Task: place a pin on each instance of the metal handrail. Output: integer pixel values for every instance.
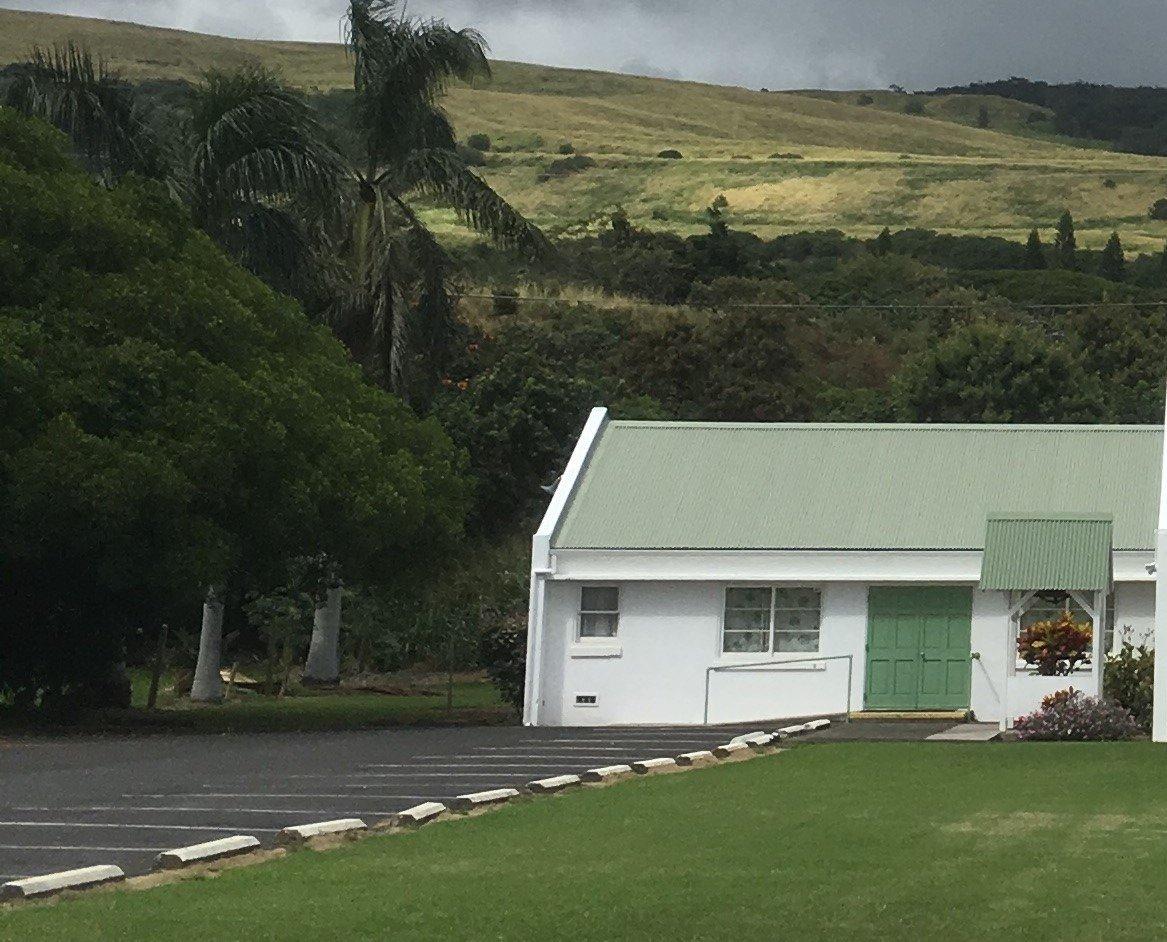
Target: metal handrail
(716, 668)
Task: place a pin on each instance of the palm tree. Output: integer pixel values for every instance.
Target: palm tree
(387, 284)
(258, 157)
(91, 103)
(262, 178)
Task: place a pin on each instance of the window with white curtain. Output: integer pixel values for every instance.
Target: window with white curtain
(771, 620)
(599, 612)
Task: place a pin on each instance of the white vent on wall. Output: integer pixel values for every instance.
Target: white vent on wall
(586, 699)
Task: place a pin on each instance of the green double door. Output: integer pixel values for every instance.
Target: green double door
(918, 654)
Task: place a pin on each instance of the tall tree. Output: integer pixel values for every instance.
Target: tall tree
(986, 371)
(90, 102)
(1034, 251)
(387, 292)
(983, 117)
(258, 159)
(1112, 265)
(169, 424)
(1065, 242)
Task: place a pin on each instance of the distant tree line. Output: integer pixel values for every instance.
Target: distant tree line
(1129, 119)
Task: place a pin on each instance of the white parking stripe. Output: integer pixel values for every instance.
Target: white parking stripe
(118, 824)
(529, 755)
(132, 808)
(459, 765)
(571, 757)
(112, 850)
(627, 742)
(592, 750)
(282, 795)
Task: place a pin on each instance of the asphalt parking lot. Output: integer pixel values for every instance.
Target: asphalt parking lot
(68, 803)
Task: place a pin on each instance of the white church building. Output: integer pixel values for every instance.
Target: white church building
(692, 572)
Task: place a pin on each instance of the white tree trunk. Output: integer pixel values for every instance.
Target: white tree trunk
(323, 666)
(208, 685)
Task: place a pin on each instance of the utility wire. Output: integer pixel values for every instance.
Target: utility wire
(811, 305)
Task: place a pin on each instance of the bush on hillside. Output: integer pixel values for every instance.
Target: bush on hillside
(471, 156)
(167, 422)
(1070, 715)
(479, 142)
(566, 166)
(864, 100)
(567, 148)
(670, 154)
(1158, 209)
(915, 106)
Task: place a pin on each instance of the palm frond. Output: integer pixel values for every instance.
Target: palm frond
(258, 154)
(256, 139)
(400, 68)
(442, 174)
(81, 96)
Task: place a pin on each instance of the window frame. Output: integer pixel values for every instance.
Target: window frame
(580, 612)
(771, 630)
(1070, 603)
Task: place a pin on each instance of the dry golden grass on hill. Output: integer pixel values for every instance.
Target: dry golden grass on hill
(858, 168)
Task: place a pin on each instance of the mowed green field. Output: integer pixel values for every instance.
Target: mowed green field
(857, 168)
(865, 840)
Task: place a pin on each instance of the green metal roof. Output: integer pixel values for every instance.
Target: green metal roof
(679, 485)
(1046, 552)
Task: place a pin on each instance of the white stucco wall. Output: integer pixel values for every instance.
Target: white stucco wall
(670, 633)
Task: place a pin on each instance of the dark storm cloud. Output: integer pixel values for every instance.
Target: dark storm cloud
(776, 43)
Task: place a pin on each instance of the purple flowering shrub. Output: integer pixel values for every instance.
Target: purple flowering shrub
(1071, 715)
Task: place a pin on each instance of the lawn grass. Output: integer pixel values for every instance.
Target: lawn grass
(304, 710)
(864, 840)
(860, 168)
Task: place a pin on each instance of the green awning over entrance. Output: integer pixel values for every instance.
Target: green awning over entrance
(1024, 552)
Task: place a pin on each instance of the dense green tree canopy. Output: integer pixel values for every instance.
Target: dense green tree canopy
(987, 371)
(167, 421)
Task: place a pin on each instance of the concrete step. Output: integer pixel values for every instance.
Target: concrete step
(968, 732)
(956, 716)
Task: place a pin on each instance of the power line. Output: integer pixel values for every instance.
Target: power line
(811, 305)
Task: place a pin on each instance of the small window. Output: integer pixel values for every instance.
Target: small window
(765, 620)
(796, 620)
(599, 611)
(747, 620)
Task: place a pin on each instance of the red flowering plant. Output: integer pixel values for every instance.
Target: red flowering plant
(1055, 647)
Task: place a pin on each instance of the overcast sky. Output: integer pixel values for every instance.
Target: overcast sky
(774, 43)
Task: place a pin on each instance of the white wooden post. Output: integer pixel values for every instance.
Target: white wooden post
(1012, 621)
(1159, 706)
(1100, 649)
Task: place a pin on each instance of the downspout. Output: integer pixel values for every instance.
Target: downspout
(533, 689)
(1159, 705)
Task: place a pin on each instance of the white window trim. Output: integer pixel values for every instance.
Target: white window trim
(770, 653)
(608, 642)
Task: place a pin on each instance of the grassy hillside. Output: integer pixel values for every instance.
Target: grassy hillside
(857, 168)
